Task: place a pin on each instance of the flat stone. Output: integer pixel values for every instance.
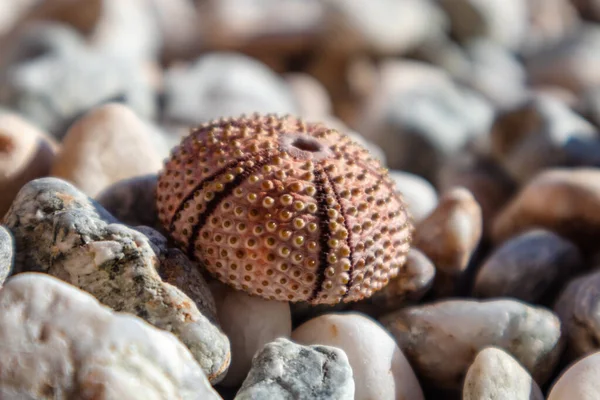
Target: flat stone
(6, 254)
(579, 381)
(26, 153)
(132, 201)
(379, 368)
(495, 374)
(60, 231)
(441, 339)
(285, 370)
(450, 234)
(562, 200)
(103, 355)
(528, 267)
(223, 84)
(105, 146)
(554, 21)
(249, 322)
(540, 133)
(577, 308)
(311, 96)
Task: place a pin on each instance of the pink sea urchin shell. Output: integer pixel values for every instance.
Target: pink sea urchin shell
(284, 209)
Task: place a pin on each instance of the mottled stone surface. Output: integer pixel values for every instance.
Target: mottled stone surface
(578, 308)
(495, 374)
(540, 133)
(223, 84)
(6, 254)
(562, 200)
(60, 231)
(379, 368)
(580, 381)
(105, 146)
(26, 153)
(441, 339)
(450, 234)
(528, 266)
(284, 370)
(249, 322)
(60, 343)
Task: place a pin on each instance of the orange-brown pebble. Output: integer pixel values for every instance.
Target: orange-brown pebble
(284, 209)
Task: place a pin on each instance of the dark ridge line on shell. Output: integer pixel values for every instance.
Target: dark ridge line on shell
(348, 237)
(324, 232)
(208, 179)
(212, 205)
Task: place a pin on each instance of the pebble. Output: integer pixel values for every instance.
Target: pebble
(284, 370)
(565, 201)
(249, 322)
(451, 233)
(528, 267)
(541, 133)
(103, 355)
(419, 116)
(550, 22)
(311, 96)
(441, 339)
(420, 195)
(132, 201)
(60, 231)
(494, 72)
(495, 374)
(108, 144)
(414, 283)
(384, 27)
(579, 381)
(487, 181)
(11, 11)
(577, 308)
(379, 368)
(573, 63)
(26, 153)
(487, 18)
(6, 254)
(223, 83)
(62, 78)
(590, 9)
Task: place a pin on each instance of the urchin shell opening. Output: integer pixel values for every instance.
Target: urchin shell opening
(300, 145)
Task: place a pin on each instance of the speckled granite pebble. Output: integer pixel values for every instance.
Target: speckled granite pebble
(284, 370)
(6, 254)
(60, 231)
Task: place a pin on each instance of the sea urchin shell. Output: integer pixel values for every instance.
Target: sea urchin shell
(284, 209)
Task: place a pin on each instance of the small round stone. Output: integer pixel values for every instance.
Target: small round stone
(308, 196)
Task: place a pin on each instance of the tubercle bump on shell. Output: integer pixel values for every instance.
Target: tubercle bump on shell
(284, 209)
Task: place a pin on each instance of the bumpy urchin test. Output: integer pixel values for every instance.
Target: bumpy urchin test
(284, 209)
